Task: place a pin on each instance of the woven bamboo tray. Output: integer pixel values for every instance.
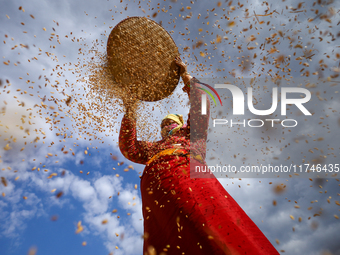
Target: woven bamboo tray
(141, 57)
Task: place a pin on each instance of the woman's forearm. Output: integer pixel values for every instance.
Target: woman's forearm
(130, 147)
(186, 78)
(199, 122)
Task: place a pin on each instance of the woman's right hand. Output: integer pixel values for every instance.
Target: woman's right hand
(130, 103)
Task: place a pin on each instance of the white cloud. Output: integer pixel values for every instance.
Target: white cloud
(107, 186)
(14, 220)
(131, 202)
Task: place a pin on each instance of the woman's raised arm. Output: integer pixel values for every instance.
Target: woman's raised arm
(198, 123)
(131, 148)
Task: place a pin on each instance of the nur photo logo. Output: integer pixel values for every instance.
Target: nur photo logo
(238, 104)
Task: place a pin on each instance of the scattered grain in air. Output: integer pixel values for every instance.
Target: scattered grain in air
(135, 186)
(3, 194)
(7, 16)
(300, 219)
(59, 194)
(53, 190)
(24, 197)
(218, 39)
(105, 221)
(85, 152)
(44, 29)
(7, 147)
(32, 251)
(79, 228)
(297, 206)
(277, 241)
(336, 216)
(88, 173)
(16, 178)
(54, 218)
(50, 154)
(84, 243)
(117, 247)
(51, 175)
(117, 175)
(3, 181)
(81, 171)
(210, 237)
(114, 210)
(291, 216)
(231, 24)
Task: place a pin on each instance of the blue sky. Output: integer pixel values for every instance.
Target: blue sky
(43, 65)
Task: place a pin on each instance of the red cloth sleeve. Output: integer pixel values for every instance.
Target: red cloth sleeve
(131, 148)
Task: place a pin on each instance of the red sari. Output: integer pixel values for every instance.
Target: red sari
(182, 214)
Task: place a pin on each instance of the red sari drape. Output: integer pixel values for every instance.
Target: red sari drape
(182, 214)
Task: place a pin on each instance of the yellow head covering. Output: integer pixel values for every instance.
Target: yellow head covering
(178, 118)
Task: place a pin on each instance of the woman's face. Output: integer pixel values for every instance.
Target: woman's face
(166, 126)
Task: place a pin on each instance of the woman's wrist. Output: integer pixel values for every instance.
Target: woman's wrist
(186, 79)
(185, 74)
(130, 112)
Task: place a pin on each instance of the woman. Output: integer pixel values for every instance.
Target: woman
(184, 215)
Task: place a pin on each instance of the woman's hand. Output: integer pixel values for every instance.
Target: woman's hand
(181, 65)
(184, 74)
(130, 104)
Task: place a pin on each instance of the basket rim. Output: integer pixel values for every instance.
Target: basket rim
(133, 17)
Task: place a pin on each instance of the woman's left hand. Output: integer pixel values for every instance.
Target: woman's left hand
(184, 74)
(181, 65)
